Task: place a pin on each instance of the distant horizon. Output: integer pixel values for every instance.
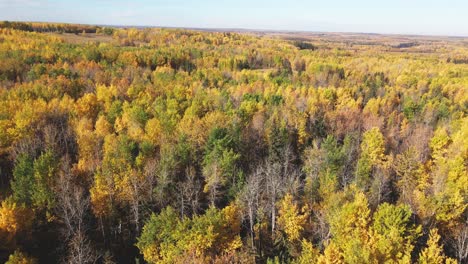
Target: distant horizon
(271, 30)
(397, 17)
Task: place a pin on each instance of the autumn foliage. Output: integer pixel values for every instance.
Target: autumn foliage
(181, 146)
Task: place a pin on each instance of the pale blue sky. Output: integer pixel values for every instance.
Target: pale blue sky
(438, 17)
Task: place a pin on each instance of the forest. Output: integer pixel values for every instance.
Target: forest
(160, 145)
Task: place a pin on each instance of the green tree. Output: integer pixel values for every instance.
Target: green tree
(166, 239)
(395, 233)
(45, 168)
(372, 155)
(219, 163)
(23, 179)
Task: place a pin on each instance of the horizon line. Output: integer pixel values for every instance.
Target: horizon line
(246, 30)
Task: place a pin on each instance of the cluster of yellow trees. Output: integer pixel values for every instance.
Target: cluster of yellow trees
(178, 146)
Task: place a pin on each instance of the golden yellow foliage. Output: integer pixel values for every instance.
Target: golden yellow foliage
(290, 220)
(14, 219)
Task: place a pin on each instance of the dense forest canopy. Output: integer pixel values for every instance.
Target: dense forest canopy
(123, 145)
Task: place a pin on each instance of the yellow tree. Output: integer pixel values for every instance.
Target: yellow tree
(290, 220)
(101, 196)
(88, 145)
(309, 254)
(409, 170)
(448, 175)
(332, 255)
(19, 257)
(349, 230)
(14, 220)
(434, 253)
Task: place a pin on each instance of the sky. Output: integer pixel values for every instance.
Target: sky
(423, 17)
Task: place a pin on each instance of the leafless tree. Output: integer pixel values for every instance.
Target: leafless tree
(251, 198)
(292, 181)
(56, 133)
(80, 250)
(26, 146)
(417, 136)
(321, 228)
(380, 188)
(72, 207)
(274, 184)
(280, 177)
(189, 191)
(150, 171)
(164, 178)
(461, 243)
(72, 203)
(213, 182)
(135, 198)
